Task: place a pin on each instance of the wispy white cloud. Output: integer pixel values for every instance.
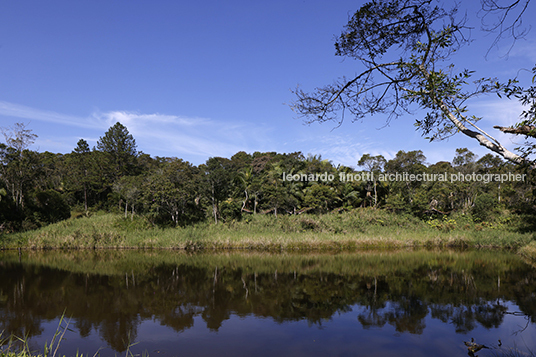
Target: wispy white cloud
(24, 112)
(178, 135)
(158, 134)
(502, 112)
(525, 49)
(133, 119)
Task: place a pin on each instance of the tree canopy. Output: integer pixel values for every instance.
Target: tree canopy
(41, 188)
(120, 145)
(405, 50)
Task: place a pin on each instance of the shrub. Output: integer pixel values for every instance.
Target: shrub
(49, 207)
(484, 208)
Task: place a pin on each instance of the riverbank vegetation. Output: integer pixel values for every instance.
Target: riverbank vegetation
(358, 228)
(119, 197)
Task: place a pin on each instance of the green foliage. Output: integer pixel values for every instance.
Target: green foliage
(485, 207)
(347, 230)
(121, 147)
(320, 198)
(404, 50)
(218, 175)
(169, 192)
(50, 207)
(446, 224)
(230, 210)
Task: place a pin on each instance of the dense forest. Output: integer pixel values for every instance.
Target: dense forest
(38, 188)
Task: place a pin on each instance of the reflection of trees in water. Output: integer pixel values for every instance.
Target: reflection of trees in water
(181, 318)
(405, 316)
(119, 330)
(465, 318)
(175, 295)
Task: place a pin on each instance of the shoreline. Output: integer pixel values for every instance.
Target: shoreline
(358, 229)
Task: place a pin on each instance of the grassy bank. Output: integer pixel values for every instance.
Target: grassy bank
(356, 229)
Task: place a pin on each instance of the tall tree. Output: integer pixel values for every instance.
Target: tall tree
(17, 161)
(218, 178)
(403, 190)
(374, 164)
(82, 152)
(18, 137)
(121, 146)
(465, 160)
(86, 173)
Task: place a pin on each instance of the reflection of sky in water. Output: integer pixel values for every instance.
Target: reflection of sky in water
(370, 304)
(342, 335)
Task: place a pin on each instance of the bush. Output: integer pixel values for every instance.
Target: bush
(485, 207)
(230, 210)
(309, 224)
(49, 207)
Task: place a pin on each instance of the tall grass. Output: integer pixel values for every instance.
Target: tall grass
(529, 251)
(349, 230)
(16, 346)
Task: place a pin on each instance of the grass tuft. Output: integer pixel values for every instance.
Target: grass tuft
(355, 229)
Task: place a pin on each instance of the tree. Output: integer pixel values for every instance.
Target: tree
(81, 153)
(319, 197)
(121, 146)
(245, 180)
(464, 160)
(82, 147)
(527, 126)
(403, 192)
(172, 191)
(86, 174)
(49, 207)
(17, 162)
(374, 164)
(404, 47)
(273, 187)
(218, 177)
(129, 189)
(18, 137)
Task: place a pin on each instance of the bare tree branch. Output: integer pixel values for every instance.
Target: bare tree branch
(505, 19)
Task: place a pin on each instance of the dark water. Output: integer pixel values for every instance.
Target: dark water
(373, 303)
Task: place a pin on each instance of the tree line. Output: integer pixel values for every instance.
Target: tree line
(38, 188)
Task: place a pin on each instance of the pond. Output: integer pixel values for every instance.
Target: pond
(176, 303)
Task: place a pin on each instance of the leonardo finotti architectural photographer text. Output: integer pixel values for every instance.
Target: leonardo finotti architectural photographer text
(405, 176)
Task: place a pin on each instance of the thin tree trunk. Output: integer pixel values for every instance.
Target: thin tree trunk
(85, 197)
(214, 207)
(245, 200)
(375, 195)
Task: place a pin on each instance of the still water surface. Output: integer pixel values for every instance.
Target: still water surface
(172, 303)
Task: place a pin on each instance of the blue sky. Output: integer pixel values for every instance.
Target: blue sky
(197, 79)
